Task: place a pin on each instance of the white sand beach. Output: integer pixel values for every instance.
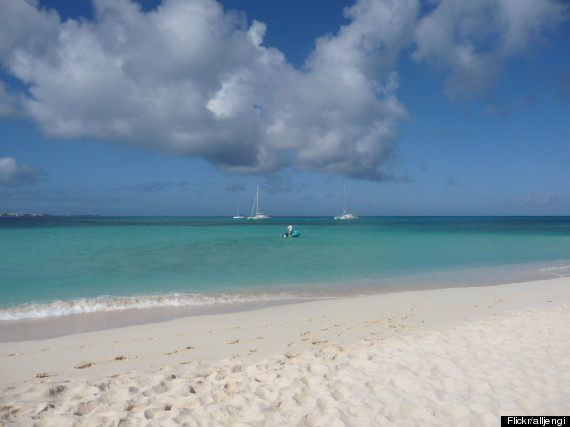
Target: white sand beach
(460, 356)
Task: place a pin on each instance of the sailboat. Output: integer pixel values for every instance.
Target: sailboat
(345, 215)
(237, 215)
(255, 208)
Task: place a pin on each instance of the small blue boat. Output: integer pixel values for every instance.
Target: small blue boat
(294, 233)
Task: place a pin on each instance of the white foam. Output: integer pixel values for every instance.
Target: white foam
(107, 304)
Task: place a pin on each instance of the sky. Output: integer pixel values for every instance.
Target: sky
(183, 107)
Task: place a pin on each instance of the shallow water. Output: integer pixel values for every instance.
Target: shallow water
(54, 266)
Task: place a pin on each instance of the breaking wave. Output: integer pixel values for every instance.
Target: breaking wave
(109, 304)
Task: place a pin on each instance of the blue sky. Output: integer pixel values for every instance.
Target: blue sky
(117, 107)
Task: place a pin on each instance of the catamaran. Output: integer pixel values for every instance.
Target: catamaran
(237, 215)
(345, 215)
(255, 208)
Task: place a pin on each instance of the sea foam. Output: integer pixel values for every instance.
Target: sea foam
(108, 304)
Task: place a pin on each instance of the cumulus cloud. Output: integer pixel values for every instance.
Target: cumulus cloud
(470, 41)
(192, 79)
(14, 175)
(348, 116)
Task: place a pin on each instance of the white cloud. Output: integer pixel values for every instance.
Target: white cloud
(190, 79)
(14, 175)
(470, 41)
(348, 113)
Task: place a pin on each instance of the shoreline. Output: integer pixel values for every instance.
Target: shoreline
(61, 318)
(466, 352)
(73, 324)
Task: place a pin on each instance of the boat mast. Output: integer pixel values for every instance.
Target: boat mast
(257, 200)
(344, 201)
(255, 206)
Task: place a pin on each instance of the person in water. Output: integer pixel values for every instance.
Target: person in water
(289, 230)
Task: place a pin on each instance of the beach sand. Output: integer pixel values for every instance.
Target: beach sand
(460, 356)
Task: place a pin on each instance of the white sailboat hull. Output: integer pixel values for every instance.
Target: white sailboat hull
(258, 215)
(346, 216)
(237, 215)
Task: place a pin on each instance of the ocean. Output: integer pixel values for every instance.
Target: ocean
(145, 269)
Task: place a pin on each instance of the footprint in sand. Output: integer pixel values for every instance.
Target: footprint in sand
(54, 391)
(83, 408)
(46, 375)
(57, 348)
(257, 350)
(8, 411)
(190, 347)
(120, 374)
(84, 365)
(119, 358)
(292, 356)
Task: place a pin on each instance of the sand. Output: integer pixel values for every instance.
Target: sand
(440, 357)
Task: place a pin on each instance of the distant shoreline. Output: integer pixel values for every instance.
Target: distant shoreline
(18, 214)
(362, 217)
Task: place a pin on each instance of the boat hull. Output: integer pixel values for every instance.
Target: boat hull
(346, 217)
(259, 216)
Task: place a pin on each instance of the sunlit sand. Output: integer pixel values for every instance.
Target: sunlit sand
(439, 357)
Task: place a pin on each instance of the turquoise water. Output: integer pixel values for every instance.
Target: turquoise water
(53, 266)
